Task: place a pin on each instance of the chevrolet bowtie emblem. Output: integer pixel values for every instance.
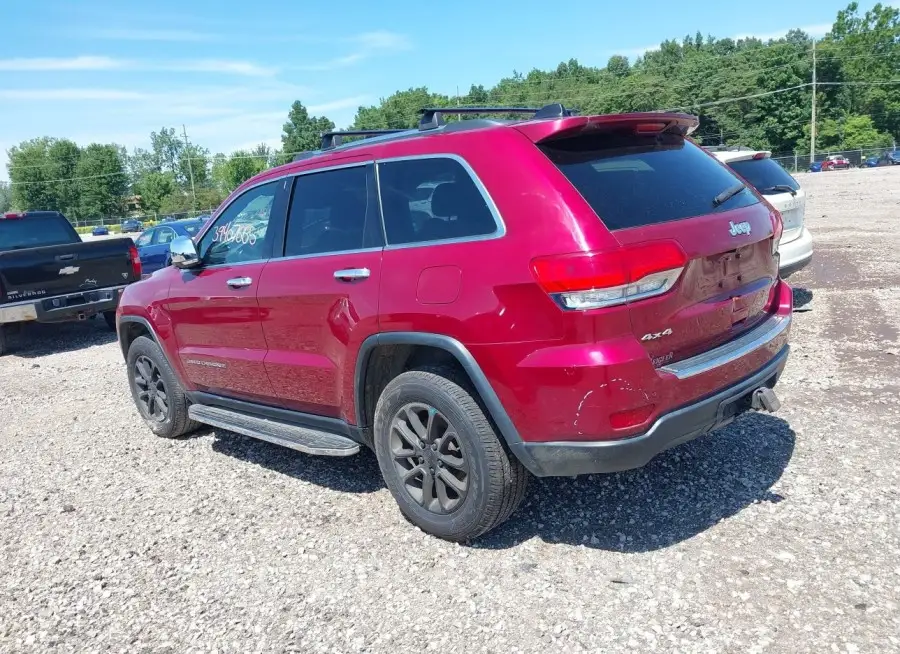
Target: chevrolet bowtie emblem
(69, 270)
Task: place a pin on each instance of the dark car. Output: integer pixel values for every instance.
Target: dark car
(889, 159)
(49, 274)
(132, 225)
(871, 162)
(100, 230)
(815, 167)
(153, 244)
(477, 301)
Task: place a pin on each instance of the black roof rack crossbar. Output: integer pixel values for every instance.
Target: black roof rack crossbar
(432, 116)
(331, 140)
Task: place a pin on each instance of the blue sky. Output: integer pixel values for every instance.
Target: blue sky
(102, 71)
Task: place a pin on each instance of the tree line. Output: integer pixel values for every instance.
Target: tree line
(747, 92)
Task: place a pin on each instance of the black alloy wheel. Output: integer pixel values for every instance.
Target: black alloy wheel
(152, 395)
(429, 458)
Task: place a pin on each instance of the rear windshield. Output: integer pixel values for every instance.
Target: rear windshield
(193, 228)
(766, 175)
(631, 181)
(34, 231)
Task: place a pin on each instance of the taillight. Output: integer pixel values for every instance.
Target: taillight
(11, 216)
(592, 280)
(135, 258)
(777, 228)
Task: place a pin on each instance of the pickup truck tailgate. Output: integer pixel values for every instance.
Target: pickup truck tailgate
(68, 268)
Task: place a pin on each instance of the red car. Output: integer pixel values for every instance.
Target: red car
(477, 302)
(835, 162)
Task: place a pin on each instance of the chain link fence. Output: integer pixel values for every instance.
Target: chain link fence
(146, 220)
(796, 162)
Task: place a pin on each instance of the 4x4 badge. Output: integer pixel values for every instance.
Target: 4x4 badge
(739, 228)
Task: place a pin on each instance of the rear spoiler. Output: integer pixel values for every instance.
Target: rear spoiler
(649, 122)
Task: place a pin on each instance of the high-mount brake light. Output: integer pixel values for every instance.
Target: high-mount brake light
(649, 128)
(759, 155)
(592, 280)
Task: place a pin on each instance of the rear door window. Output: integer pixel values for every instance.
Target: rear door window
(634, 180)
(432, 199)
(766, 175)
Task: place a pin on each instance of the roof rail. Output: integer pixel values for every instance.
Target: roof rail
(331, 140)
(300, 156)
(432, 116)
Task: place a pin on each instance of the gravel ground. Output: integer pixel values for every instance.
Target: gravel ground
(776, 534)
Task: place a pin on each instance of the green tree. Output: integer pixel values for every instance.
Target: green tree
(154, 188)
(41, 173)
(303, 132)
(103, 181)
(5, 197)
(230, 172)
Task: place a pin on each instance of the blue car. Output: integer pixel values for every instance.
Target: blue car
(100, 230)
(815, 167)
(153, 244)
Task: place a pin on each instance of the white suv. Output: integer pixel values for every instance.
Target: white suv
(783, 192)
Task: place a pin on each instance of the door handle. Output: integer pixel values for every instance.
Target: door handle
(239, 282)
(351, 274)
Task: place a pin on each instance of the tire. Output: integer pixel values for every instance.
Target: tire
(174, 421)
(3, 341)
(495, 480)
(110, 318)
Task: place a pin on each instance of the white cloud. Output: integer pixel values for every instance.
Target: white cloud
(816, 31)
(58, 64)
(336, 105)
(72, 94)
(129, 34)
(382, 40)
(91, 63)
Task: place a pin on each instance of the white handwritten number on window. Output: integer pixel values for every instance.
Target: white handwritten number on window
(231, 233)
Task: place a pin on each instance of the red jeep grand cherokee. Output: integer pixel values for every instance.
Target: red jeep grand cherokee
(476, 301)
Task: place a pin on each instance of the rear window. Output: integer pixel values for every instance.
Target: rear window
(631, 181)
(766, 175)
(34, 231)
(193, 228)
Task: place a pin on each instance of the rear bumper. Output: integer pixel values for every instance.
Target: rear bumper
(795, 255)
(553, 459)
(71, 307)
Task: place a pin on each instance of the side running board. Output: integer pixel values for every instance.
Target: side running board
(304, 439)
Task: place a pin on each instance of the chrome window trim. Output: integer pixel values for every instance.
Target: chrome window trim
(281, 178)
(756, 338)
(500, 230)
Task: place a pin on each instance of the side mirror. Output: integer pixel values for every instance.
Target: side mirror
(183, 253)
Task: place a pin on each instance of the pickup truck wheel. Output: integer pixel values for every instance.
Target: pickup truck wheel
(2, 340)
(441, 458)
(110, 318)
(156, 391)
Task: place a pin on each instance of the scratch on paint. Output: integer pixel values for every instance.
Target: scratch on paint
(578, 410)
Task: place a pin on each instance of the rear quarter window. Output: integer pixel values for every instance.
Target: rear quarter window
(634, 180)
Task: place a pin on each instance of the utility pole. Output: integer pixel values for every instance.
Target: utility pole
(187, 152)
(812, 127)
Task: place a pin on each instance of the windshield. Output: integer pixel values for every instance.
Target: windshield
(766, 175)
(34, 231)
(631, 180)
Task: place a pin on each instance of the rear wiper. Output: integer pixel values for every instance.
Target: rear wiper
(782, 188)
(727, 194)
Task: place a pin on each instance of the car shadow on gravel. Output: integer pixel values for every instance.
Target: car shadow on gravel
(354, 474)
(679, 494)
(32, 340)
